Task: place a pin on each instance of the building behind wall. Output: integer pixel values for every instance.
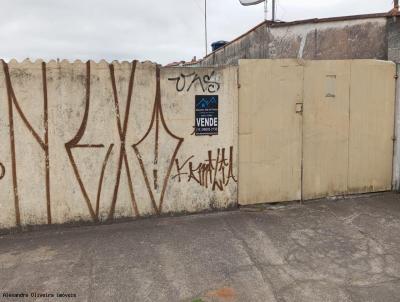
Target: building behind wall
(372, 36)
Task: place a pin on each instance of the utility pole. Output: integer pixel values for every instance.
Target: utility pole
(205, 25)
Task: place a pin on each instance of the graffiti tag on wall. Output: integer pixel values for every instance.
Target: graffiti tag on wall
(43, 142)
(157, 124)
(208, 83)
(214, 172)
(156, 171)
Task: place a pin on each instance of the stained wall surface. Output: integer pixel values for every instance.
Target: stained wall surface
(355, 37)
(98, 141)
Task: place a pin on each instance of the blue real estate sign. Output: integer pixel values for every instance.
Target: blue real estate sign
(206, 115)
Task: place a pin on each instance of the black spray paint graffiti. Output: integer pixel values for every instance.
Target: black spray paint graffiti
(186, 81)
(214, 172)
(2, 171)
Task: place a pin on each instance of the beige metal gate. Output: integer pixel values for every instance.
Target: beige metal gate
(269, 131)
(325, 128)
(371, 134)
(309, 129)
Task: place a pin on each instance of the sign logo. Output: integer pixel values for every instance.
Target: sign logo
(206, 115)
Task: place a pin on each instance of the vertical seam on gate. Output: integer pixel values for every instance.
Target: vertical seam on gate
(349, 133)
(302, 134)
(237, 132)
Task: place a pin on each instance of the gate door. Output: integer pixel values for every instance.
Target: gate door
(270, 130)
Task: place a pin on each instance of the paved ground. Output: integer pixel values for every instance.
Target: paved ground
(328, 250)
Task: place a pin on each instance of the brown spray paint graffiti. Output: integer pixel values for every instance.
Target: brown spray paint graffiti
(156, 117)
(156, 151)
(43, 142)
(122, 129)
(74, 143)
(214, 172)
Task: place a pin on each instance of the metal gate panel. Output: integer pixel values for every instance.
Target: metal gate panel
(371, 125)
(269, 130)
(325, 128)
(342, 142)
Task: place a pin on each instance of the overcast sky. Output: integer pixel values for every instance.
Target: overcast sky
(158, 30)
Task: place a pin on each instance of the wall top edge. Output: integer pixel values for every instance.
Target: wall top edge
(57, 62)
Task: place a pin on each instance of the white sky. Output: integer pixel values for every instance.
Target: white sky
(158, 30)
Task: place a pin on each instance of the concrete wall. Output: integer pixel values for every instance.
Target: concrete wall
(351, 38)
(94, 142)
(393, 33)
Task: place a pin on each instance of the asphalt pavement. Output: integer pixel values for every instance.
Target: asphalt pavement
(325, 250)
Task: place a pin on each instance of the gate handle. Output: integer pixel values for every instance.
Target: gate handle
(299, 108)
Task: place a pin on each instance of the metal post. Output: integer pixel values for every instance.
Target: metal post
(205, 25)
(273, 10)
(265, 9)
(396, 139)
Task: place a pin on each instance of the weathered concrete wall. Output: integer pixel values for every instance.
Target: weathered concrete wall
(394, 55)
(341, 39)
(96, 141)
(393, 30)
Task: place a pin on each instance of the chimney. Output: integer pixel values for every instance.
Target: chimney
(395, 7)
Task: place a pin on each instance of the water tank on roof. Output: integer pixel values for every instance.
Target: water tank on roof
(218, 44)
